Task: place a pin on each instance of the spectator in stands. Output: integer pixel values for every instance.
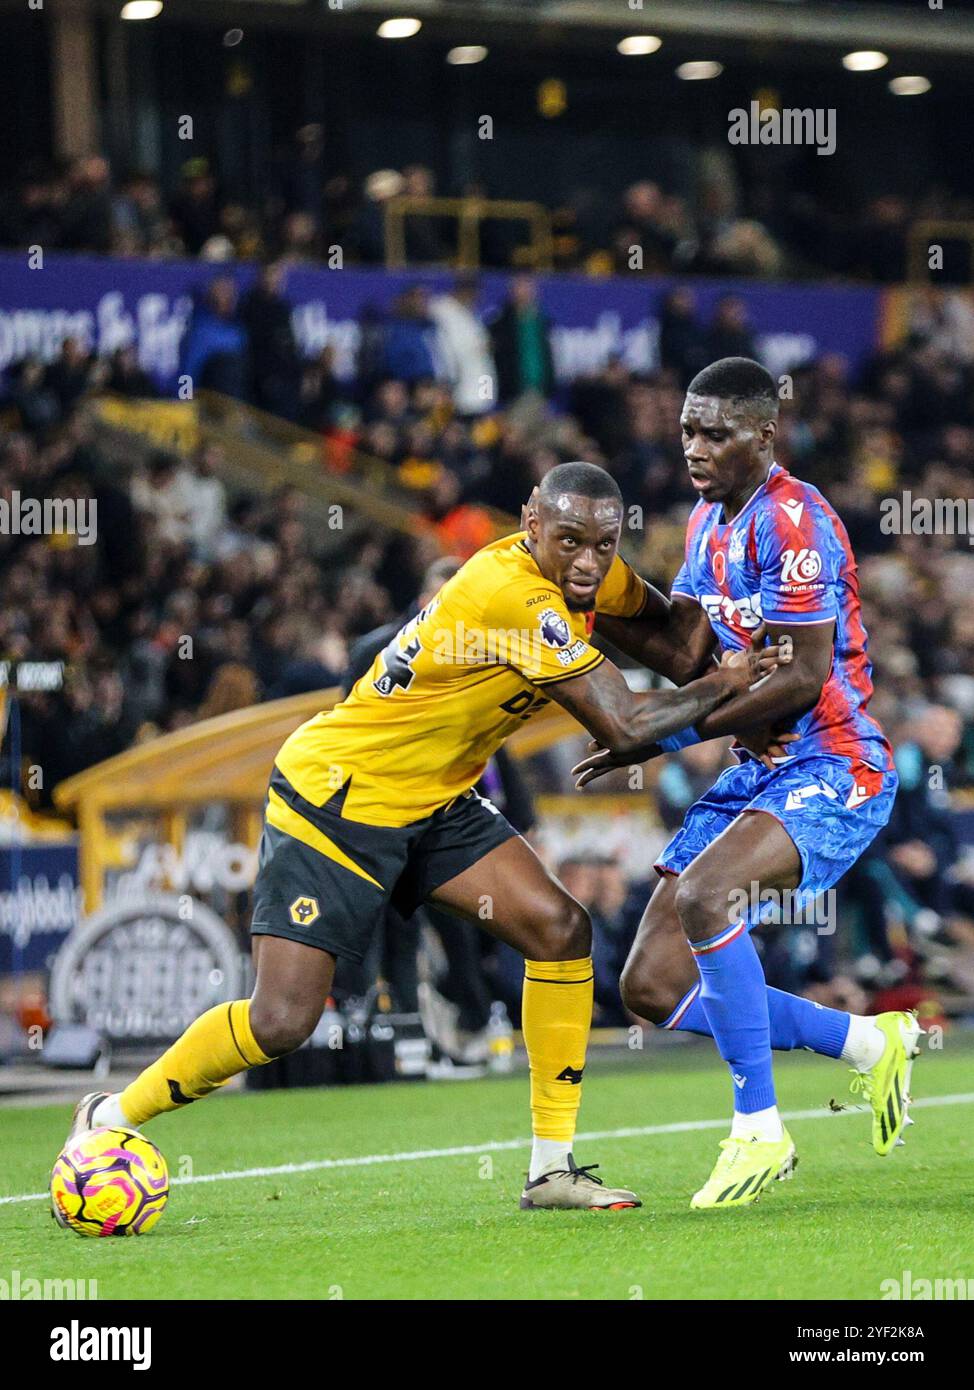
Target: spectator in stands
(427, 237)
(126, 377)
(206, 499)
(682, 342)
(921, 838)
(461, 528)
(213, 352)
(521, 338)
(195, 210)
(163, 493)
(641, 225)
(70, 375)
(37, 404)
(408, 350)
(745, 247)
(86, 219)
(275, 360)
(368, 227)
(463, 350)
(31, 216)
(323, 396)
(141, 226)
(729, 334)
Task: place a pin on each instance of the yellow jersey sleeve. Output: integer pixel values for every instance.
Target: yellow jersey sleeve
(532, 631)
(622, 594)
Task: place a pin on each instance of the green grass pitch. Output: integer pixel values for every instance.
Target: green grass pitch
(446, 1227)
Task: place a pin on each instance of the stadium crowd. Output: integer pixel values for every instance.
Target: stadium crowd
(769, 230)
(266, 614)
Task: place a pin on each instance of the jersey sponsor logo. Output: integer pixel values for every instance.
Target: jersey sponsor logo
(741, 612)
(735, 551)
(801, 566)
(304, 910)
(555, 631)
(796, 800)
(793, 509)
(538, 598)
(572, 653)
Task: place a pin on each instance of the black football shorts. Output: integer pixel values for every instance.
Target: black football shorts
(325, 880)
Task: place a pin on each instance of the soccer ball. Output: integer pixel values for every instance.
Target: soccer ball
(109, 1182)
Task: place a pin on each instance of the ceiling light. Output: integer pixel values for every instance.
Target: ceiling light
(399, 28)
(466, 53)
(141, 9)
(864, 60)
(909, 86)
(638, 44)
(699, 72)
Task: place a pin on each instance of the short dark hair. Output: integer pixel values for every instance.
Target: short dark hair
(579, 479)
(738, 379)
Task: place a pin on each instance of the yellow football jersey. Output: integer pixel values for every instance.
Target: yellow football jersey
(452, 685)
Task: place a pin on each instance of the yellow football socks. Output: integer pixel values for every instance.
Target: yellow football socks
(215, 1047)
(556, 1015)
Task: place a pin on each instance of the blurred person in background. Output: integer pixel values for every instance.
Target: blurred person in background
(682, 345)
(195, 211)
(275, 359)
(521, 341)
(408, 348)
(729, 334)
(86, 218)
(213, 352)
(463, 349)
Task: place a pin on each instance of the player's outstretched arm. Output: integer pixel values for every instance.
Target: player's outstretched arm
(670, 636)
(628, 723)
(793, 692)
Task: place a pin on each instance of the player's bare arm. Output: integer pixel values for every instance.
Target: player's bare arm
(674, 638)
(760, 708)
(793, 692)
(671, 636)
(629, 723)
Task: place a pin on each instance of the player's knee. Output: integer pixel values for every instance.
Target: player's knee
(646, 993)
(563, 931)
(701, 906)
(280, 1026)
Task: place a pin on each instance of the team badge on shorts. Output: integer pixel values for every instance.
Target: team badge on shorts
(303, 911)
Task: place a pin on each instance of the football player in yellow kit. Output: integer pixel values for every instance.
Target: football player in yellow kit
(373, 801)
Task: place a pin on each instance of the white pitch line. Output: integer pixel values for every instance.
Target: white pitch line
(317, 1165)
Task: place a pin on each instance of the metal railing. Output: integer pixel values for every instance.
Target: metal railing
(469, 213)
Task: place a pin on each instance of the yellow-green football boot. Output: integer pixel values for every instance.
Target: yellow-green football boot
(744, 1169)
(886, 1085)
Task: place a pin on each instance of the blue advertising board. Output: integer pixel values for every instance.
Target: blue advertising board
(40, 903)
(110, 303)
